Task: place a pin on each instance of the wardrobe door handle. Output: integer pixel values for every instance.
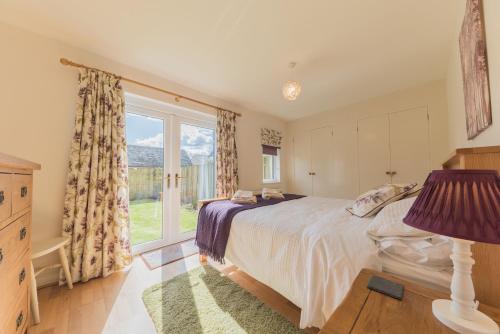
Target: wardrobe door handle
(22, 276)
(1, 255)
(2, 197)
(19, 320)
(24, 191)
(388, 173)
(22, 233)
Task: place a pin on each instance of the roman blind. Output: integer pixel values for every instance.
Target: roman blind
(271, 141)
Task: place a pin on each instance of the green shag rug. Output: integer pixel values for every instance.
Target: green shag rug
(204, 301)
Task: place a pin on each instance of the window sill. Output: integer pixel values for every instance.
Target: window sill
(271, 182)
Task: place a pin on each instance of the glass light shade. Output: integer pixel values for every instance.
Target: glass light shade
(291, 90)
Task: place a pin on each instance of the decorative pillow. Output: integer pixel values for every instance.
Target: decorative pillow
(414, 192)
(389, 222)
(373, 201)
(268, 193)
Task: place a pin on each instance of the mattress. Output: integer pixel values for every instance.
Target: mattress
(309, 250)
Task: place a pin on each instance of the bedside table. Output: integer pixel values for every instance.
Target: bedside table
(366, 311)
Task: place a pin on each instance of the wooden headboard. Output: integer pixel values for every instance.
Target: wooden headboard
(486, 271)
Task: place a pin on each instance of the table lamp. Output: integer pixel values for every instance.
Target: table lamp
(464, 205)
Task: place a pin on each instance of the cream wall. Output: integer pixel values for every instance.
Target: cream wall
(37, 103)
(432, 95)
(454, 83)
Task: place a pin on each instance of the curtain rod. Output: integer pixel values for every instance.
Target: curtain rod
(177, 97)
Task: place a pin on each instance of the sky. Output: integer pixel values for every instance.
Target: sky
(148, 131)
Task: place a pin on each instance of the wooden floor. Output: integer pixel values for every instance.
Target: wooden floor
(114, 305)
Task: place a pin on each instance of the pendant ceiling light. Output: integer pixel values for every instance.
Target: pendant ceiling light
(291, 89)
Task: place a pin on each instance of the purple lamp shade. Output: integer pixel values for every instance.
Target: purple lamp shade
(463, 204)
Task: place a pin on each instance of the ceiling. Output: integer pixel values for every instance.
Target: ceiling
(239, 50)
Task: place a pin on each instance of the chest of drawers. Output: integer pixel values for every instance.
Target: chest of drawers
(16, 189)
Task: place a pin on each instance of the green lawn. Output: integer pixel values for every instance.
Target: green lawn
(146, 220)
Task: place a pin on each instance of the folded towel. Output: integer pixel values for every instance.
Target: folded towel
(246, 200)
(243, 194)
(268, 193)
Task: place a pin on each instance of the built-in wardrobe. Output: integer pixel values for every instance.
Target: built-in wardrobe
(348, 158)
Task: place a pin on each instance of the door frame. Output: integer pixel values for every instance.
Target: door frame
(173, 116)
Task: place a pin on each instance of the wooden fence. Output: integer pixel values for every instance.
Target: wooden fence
(198, 182)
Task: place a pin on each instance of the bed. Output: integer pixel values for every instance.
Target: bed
(310, 250)
(304, 250)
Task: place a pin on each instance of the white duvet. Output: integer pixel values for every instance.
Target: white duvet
(309, 250)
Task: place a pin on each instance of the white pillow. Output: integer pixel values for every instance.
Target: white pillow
(433, 252)
(389, 222)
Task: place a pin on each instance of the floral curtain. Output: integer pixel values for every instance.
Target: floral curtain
(227, 156)
(271, 137)
(96, 200)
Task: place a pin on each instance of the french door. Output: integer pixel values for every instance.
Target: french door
(171, 158)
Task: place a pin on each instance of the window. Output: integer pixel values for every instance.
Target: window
(271, 167)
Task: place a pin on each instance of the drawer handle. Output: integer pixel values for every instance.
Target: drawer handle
(2, 197)
(1, 255)
(19, 320)
(24, 191)
(22, 233)
(22, 276)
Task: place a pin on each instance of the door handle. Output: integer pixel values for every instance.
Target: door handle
(177, 177)
(19, 320)
(22, 276)
(391, 173)
(168, 180)
(22, 233)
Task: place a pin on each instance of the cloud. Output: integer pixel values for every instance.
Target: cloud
(155, 141)
(192, 136)
(197, 141)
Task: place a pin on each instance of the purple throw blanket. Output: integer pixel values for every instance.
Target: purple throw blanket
(214, 223)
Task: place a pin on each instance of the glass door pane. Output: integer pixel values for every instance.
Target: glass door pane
(145, 138)
(197, 177)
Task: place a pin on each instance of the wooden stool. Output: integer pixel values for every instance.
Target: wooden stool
(40, 249)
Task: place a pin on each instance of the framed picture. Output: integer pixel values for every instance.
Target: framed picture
(473, 56)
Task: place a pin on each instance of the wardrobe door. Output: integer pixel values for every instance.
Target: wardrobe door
(410, 151)
(344, 172)
(322, 162)
(373, 152)
(302, 180)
